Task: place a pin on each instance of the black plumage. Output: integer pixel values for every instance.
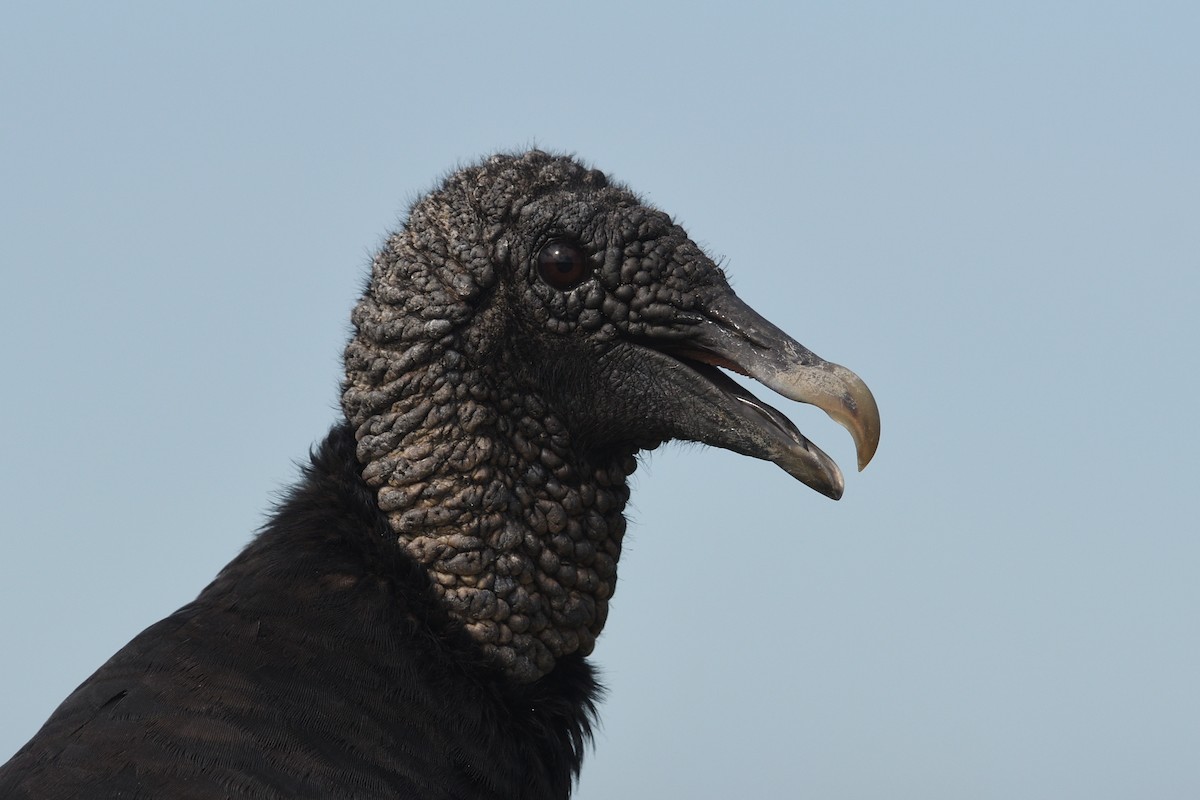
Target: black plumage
(414, 619)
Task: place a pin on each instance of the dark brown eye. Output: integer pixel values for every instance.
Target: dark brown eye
(562, 264)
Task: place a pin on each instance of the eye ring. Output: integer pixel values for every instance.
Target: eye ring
(562, 264)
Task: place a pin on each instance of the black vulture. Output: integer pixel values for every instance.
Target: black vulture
(414, 619)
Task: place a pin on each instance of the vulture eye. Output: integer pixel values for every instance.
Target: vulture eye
(562, 264)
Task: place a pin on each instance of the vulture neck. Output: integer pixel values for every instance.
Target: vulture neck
(480, 481)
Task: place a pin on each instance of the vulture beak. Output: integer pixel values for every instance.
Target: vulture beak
(735, 337)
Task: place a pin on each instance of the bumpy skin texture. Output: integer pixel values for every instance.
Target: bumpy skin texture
(491, 407)
(413, 620)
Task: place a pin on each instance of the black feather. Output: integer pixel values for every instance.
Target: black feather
(317, 664)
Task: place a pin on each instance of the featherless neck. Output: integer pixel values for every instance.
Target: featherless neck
(520, 534)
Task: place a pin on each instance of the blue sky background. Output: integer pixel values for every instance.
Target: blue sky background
(990, 211)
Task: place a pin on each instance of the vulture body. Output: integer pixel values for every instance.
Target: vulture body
(415, 618)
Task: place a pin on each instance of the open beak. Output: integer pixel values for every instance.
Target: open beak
(736, 337)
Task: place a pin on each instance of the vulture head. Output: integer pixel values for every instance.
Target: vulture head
(530, 329)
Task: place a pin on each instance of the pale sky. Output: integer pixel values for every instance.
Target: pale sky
(990, 211)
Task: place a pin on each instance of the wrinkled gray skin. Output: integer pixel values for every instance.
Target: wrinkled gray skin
(498, 417)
